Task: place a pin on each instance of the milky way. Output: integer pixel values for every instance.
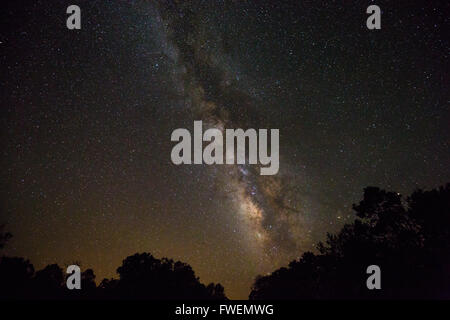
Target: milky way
(205, 75)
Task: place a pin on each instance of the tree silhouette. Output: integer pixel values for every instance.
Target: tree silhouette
(143, 276)
(88, 280)
(409, 241)
(48, 282)
(4, 236)
(15, 277)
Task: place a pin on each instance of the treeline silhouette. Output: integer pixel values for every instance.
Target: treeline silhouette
(408, 239)
(141, 276)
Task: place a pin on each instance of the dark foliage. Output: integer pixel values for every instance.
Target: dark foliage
(409, 241)
(141, 277)
(4, 236)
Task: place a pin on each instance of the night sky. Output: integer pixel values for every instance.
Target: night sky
(87, 115)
